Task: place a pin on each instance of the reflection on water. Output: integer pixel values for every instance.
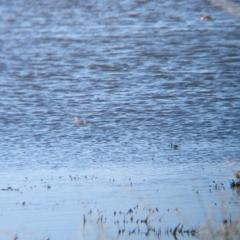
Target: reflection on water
(143, 75)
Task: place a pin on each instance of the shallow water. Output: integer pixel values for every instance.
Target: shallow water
(143, 75)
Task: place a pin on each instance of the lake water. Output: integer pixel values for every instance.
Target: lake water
(144, 75)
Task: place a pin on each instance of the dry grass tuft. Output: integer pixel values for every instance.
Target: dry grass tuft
(237, 174)
(230, 230)
(235, 183)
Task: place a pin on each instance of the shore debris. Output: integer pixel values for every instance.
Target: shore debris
(10, 189)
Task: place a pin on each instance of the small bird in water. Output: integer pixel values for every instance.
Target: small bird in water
(206, 18)
(77, 121)
(175, 146)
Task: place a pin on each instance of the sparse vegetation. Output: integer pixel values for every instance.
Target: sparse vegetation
(230, 230)
(235, 183)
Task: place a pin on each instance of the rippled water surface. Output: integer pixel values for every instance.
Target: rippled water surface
(144, 75)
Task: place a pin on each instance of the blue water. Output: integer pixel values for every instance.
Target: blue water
(143, 74)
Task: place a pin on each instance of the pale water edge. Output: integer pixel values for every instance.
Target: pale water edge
(143, 74)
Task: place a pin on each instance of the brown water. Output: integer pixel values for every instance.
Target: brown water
(143, 74)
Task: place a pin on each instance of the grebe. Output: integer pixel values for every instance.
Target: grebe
(77, 121)
(206, 18)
